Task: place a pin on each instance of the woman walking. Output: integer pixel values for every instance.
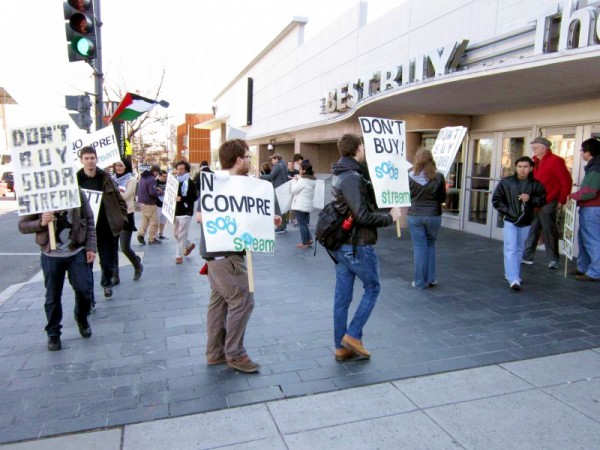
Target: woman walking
(428, 192)
(123, 175)
(303, 190)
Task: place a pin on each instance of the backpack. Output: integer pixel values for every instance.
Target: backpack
(329, 232)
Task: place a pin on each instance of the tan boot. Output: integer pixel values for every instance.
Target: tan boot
(356, 346)
(343, 354)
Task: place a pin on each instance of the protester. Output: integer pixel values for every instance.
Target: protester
(588, 200)
(303, 190)
(291, 171)
(231, 302)
(75, 249)
(278, 177)
(427, 193)
(147, 196)
(184, 210)
(552, 172)
(298, 158)
(123, 174)
(204, 167)
(112, 216)
(161, 186)
(515, 198)
(265, 169)
(354, 195)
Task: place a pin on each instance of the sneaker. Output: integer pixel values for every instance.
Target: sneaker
(189, 249)
(155, 242)
(162, 237)
(141, 239)
(433, 284)
(179, 260)
(54, 343)
(84, 328)
(137, 274)
(356, 346)
(108, 292)
(585, 277)
(553, 265)
(280, 231)
(529, 262)
(213, 362)
(515, 286)
(343, 354)
(244, 364)
(115, 280)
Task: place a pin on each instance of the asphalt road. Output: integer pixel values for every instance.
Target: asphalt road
(19, 255)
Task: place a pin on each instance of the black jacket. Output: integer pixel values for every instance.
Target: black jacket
(353, 192)
(185, 207)
(506, 200)
(426, 200)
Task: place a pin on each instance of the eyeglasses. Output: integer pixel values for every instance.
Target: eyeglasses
(248, 156)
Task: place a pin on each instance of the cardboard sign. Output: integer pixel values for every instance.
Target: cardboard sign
(105, 143)
(568, 241)
(446, 146)
(237, 213)
(45, 178)
(169, 202)
(94, 199)
(385, 150)
(284, 196)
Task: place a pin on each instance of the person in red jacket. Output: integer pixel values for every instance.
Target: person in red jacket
(552, 172)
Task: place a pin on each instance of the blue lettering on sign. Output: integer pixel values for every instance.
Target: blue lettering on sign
(387, 168)
(221, 223)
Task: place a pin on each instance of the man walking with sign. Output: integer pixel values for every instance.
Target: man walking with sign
(231, 301)
(184, 210)
(354, 198)
(75, 249)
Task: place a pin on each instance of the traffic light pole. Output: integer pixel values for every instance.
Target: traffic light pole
(97, 65)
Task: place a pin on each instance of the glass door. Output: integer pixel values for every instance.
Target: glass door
(478, 184)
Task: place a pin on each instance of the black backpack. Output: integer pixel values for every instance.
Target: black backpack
(329, 231)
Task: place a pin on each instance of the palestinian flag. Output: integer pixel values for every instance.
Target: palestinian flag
(133, 106)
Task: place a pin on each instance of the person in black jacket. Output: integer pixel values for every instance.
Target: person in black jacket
(278, 177)
(515, 199)
(184, 210)
(354, 197)
(427, 192)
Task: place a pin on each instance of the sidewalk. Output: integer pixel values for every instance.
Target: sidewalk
(146, 362)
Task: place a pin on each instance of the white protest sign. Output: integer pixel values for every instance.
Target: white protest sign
(94, 199)
(237, 213)
(170, 200)
(44, 175)
(385, 150)
(566, 244)
(446, 146)
(105, 143)
(284, 196)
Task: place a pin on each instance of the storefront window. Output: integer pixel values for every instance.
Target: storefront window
(479, 180)
(563, 144)
(512, 149)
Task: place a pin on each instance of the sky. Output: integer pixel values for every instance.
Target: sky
(200, 44)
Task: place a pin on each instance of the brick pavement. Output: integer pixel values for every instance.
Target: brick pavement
(146, 358)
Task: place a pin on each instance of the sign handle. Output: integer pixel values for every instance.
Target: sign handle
(566, 264)
(250, 271)
(52, 235)
(398, 230)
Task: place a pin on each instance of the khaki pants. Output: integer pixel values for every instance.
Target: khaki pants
(149, 221)
(181, 230)
(229, 309)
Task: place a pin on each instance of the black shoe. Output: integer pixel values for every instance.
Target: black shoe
(154, 242)
(515, 286)
(138, 272)
(108, 292)
(54, 343)
(141, 240)
(84, 328)
(115, 280)
(162, 237)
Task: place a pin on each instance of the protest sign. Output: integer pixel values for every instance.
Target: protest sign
(44, 175)
(105, 143)
(385, 150)
(446, 146)
(237, 213)
(169, 202)
(284, 196)
(94, 199)
(568, 240)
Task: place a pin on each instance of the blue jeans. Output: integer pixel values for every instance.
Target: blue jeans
(588, 260)
(423, 233)
(303, 221)
(364, 265)
(80, 278)
(514, 246)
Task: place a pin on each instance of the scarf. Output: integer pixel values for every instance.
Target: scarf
(123, 180)
(184, 179)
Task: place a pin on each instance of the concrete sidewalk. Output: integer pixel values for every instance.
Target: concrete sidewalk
(145, 361)
(550, 402)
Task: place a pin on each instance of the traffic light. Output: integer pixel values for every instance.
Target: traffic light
(80, 29)
(83, 105)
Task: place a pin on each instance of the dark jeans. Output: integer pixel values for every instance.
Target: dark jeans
(544, 223)
(107, 253)
(80, 278)
(303, 221)
(125, 242)
(423, 234)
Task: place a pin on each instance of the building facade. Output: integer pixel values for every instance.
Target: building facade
(507, 70)
(193, 143)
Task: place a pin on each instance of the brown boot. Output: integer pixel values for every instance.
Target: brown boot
(355, 345)
(243, 364)
(343, 354)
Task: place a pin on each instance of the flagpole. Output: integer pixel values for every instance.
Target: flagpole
(97, 65)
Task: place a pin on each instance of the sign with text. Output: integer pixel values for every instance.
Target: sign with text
(568, 240)
(385, 151)
(105, 143)
(170, 198)
(446, 146)
(44, 174)
(94, 199)
(237, 213)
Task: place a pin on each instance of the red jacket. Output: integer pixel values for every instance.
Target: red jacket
(552, 172)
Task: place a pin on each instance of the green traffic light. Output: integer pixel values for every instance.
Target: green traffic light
(83, 46)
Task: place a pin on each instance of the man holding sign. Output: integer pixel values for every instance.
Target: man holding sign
(231, 299)
(354, 198)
